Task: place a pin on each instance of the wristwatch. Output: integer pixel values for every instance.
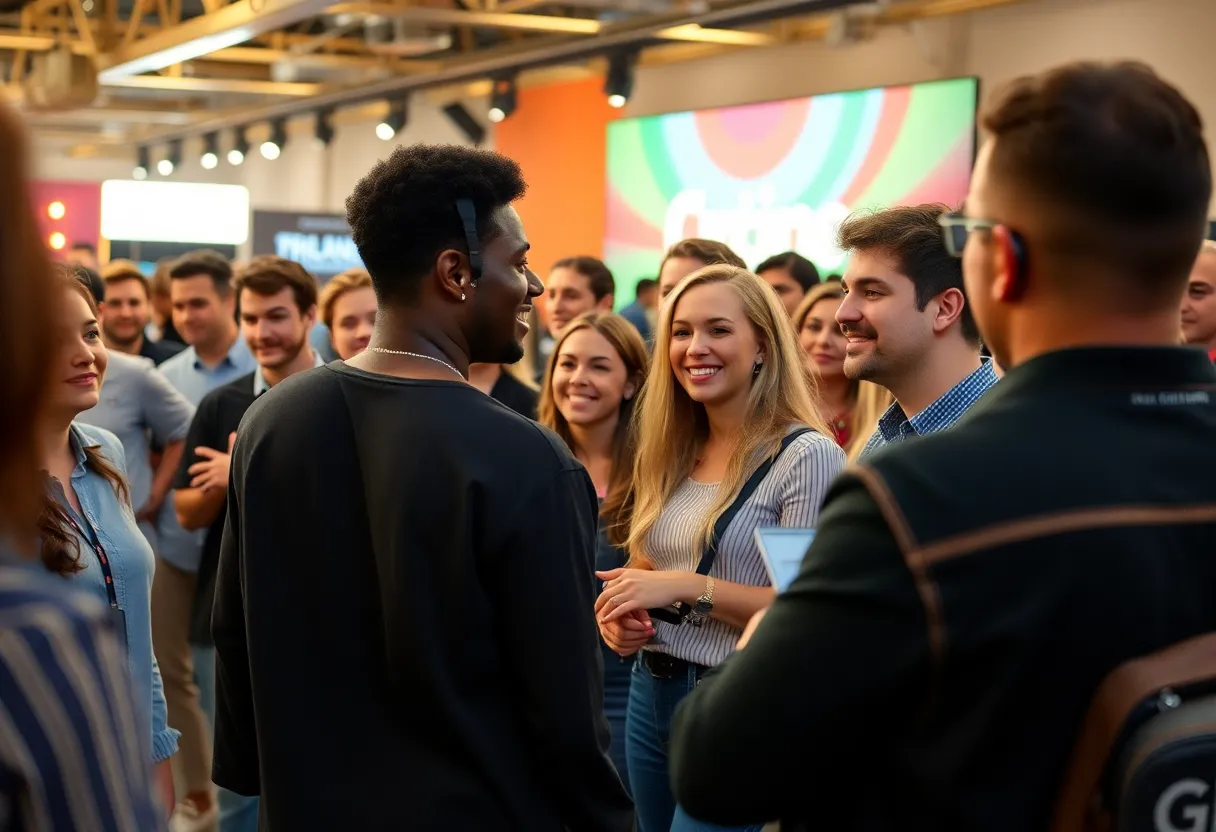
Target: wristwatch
(704, 606)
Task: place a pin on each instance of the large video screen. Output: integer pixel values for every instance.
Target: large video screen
(781, 175)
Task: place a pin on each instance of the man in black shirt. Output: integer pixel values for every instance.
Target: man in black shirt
(932, 665)
(404, 612)
(277, 300)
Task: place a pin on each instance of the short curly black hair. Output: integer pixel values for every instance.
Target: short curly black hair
(403, 213)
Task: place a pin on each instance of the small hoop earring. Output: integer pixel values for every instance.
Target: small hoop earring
(756, 368)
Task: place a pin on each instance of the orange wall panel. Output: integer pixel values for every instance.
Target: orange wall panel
(558, 135)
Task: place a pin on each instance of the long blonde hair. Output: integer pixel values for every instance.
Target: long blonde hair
(870, 400)
(781, 395)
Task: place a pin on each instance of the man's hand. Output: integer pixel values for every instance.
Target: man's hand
(211, 472)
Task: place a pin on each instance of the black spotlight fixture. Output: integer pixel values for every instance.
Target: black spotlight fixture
(618, 83)
(272, 148)
(240, 147)
(472, 129)
(394, 122)
(172, 160)
(211, 151)
(143, 161)
(324, 129)
(502, 99)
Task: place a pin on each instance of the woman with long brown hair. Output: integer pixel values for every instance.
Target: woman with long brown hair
(69, 757)
(851, 407)
(727, 396)
(591, 383)
(87, 525)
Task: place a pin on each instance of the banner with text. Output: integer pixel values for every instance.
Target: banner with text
(320, 243)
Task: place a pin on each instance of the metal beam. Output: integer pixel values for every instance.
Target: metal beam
(237, 86)
(459, 17)
(229, 26)
(530, 54)
(693, 33)
(98, 115)
(258, 55)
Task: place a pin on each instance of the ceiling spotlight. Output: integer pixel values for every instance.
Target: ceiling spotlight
(173, 158)
(211, 152)
(502, 100)
(240, 147)
(272, 148)
(618, 83)
(394, 122)
(324, 130)
(141, 165)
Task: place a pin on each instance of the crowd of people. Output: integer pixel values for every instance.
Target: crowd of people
(492, 569)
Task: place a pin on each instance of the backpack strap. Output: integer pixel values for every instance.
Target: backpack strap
(1119, 695)
(753, 482)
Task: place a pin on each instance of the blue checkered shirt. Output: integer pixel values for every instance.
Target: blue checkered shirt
(894, 426)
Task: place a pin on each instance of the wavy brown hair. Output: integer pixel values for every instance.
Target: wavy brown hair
(60, 551)
(27, 339)
(624, 338)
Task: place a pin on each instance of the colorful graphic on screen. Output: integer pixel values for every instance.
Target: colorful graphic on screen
(779, 176)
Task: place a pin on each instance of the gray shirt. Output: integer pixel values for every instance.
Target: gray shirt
(790, 496)
(139, 405)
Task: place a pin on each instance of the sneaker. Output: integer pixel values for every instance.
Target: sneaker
(188, 818)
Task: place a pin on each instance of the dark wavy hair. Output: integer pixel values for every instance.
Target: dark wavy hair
(60, 551)
(624, 338)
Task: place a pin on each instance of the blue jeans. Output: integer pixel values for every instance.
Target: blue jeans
(652, 701)
(238, 813)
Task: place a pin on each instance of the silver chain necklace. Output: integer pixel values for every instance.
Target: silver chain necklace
(417, 355)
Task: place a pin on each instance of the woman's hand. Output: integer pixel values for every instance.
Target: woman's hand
(162, 782)
(627, 590)
(628, 634)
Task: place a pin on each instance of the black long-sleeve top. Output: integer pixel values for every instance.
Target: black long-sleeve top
(404, 615)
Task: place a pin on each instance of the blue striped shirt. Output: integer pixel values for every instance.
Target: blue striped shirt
(894, 426)
(71, 752)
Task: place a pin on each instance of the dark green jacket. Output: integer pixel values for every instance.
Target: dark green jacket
(967, 591)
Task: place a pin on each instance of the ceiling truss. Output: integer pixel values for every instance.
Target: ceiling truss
(173, 68)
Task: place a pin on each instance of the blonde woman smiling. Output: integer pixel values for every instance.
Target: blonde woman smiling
(732, 394)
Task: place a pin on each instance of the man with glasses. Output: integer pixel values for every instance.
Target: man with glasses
(932, 665)
(908, 324)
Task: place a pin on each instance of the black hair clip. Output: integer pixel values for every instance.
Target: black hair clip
(468, 217)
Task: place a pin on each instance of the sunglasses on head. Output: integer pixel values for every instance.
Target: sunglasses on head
(956, 228)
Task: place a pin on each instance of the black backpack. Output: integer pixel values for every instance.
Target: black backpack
(1146, 757)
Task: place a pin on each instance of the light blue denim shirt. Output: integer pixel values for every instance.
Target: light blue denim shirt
(138, 405)
(132, 564)
(194, 379)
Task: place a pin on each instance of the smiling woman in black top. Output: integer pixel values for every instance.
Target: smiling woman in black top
(400, 644)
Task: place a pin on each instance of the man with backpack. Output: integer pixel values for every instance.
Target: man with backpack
(967, 594)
